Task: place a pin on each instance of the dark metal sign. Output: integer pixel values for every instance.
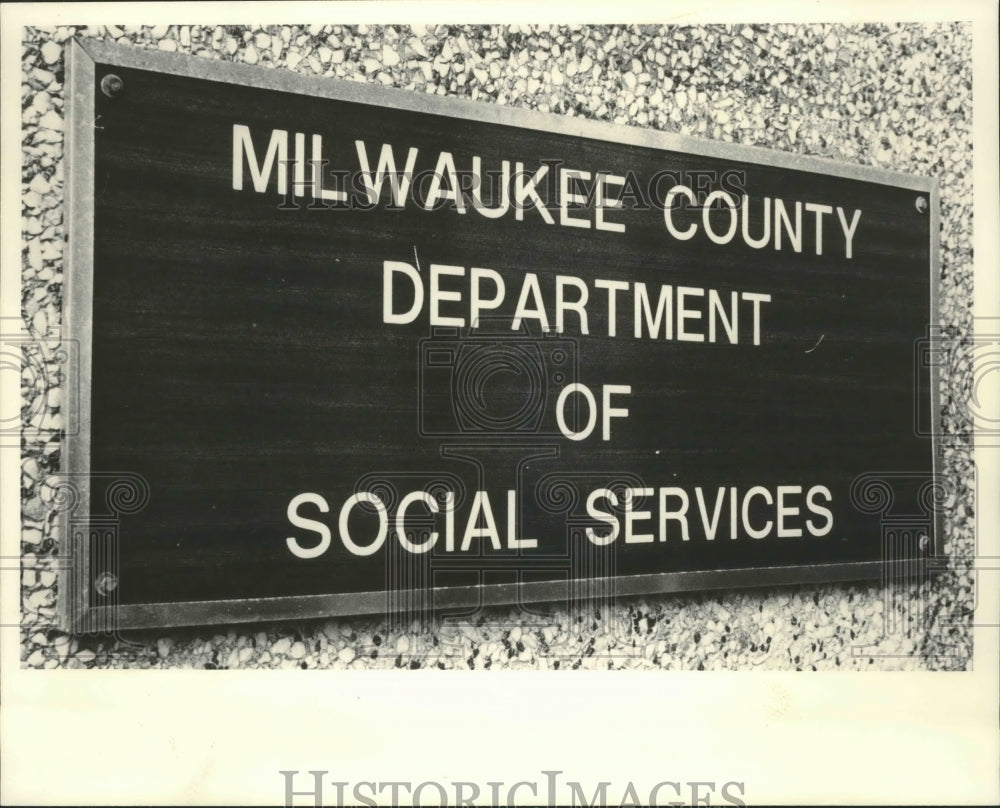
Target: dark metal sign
(346, 349)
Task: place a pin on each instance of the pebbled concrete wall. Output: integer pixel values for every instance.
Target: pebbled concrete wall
(897, 97)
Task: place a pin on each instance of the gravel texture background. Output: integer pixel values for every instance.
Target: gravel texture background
(897, 97)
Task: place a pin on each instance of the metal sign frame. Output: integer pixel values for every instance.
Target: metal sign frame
(75, 588)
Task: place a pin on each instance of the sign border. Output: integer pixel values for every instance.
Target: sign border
(76, 613)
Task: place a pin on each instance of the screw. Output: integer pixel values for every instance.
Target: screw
(106, 583)
(922, 206)
(112, 85)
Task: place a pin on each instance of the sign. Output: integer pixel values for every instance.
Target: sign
(346, 349)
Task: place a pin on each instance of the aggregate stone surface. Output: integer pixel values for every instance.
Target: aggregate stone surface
(896, 97)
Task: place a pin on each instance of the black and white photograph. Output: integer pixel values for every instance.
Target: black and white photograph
(649, 362)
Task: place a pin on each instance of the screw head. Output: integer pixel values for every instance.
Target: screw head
(106, 583)
(922, 204)
(112, 85)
